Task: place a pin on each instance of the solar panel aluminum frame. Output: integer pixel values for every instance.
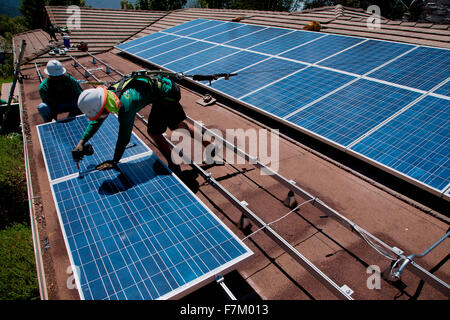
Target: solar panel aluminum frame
(184, 289)
(413, 181)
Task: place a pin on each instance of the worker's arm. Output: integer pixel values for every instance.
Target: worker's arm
(91, 129)
(126, 123)
(75, 87)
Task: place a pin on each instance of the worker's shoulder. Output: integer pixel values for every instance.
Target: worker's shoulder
(43, 85)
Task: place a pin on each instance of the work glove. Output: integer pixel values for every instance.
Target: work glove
(80, 146)
(107, 165)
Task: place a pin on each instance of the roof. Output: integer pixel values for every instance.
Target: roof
(104, 28)
(271, 273)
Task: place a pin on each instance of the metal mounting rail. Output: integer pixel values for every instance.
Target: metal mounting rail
(106, 65)
(309, 266)
(87, 72)
(413, 267)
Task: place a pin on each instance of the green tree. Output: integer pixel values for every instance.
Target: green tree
(267, 5)
(34, 12)
(392, 9)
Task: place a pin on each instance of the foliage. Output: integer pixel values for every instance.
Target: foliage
(13, 186)
(129, 5)
(267, 5)
(389, 9)
(34, 10)
(160, 5)
(18, 280)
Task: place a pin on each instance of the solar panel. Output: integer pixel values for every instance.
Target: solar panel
(321, 48)
(141, 234)
(58, 139)
(423, 68)
(163, 48)
(444, 90)
(296, 91)
(367, 56)
(349, 113)
(315, 85)
(256, 76)
(415, 143)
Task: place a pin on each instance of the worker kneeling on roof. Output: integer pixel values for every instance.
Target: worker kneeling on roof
(137, 92)
(59, 92)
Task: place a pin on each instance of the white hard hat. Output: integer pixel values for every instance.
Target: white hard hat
(92, 101)
(55, 68)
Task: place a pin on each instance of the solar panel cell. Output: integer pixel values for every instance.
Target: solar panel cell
(286, 42)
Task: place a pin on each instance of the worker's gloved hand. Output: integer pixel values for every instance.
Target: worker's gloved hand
(80, 146)
(107, 165)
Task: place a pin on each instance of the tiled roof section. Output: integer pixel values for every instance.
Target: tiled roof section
(336, 19)
(104, 28)
(37, 43)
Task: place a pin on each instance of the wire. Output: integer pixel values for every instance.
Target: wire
(373, 245)
(277, 220)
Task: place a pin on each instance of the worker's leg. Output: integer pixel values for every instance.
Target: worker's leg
(44, 111)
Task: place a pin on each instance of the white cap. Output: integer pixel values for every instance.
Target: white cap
(91, 101)
(55, 68)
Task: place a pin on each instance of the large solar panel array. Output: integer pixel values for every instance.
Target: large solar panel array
(136, 233)
(360, 95)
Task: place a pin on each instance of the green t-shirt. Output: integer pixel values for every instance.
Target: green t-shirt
(58, 90)
(135, 97)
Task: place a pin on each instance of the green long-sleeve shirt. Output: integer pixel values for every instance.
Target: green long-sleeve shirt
(136, 96)
(58, 90)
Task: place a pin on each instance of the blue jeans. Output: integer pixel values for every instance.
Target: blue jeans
(47, 115)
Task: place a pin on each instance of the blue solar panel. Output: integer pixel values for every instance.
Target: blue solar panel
(423, 68)
(58, 139)
(232, 34)
(179, 53)
(286, 42)
(199, 27)
(321, 48)
(296, 91)
(229, 64)
(141, 234)
(315, 99)
(257, 76)
(206, 33)
(258, 37)
(130, 44)
(349, 113)
(415, 143)
(366, 56)
(185, 25)
(163, 48)
(155, 41)
(194, 61)
(444, 90)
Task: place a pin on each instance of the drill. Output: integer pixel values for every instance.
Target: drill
(77, 156)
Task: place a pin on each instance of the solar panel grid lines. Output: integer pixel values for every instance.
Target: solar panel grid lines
(200, 27)
(133, 43)
(366, 56)
(164, 48)
(345, 115)
(322, 48)
(117, 249)
(408, 70)
(58, 139)
(204, 34)
(351, 60)
(421, 135)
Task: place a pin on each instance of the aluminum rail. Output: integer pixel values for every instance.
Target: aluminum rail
(34, 227)
(290, 184)
(106, 65)
(297, 256)
(38, 72)
(87, 72)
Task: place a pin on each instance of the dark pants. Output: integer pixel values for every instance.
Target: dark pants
(48, 114)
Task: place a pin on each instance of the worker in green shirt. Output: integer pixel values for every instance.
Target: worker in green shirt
(3, 101)
(138, 92)
(59, 92)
